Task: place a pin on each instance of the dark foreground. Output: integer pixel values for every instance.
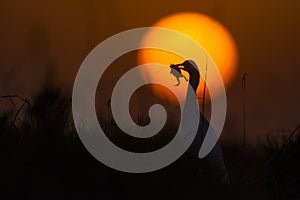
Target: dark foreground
(42, 158)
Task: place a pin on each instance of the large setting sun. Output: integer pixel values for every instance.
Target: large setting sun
(206, 31)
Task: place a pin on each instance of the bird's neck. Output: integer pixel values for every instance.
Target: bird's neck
(194, 80)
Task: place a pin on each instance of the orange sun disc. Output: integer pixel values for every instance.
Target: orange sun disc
(208, 32)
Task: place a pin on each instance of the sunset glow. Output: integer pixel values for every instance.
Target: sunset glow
(209, 33)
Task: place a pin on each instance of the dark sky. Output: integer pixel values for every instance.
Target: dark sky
(40, 38)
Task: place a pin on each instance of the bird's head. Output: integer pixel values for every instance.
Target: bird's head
(188, 66)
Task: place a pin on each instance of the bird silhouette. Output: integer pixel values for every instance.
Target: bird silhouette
(214, 160)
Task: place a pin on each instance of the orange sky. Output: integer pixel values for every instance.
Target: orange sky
(39, 37)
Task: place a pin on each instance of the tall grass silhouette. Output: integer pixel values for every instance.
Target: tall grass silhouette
(43, 158)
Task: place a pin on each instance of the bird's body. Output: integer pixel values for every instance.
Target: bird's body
(214, 160)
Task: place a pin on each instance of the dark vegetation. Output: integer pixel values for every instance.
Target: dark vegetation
(43, 158)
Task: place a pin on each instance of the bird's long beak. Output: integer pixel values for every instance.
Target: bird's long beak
(175, 65)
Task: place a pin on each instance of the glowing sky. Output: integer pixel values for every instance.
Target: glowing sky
(40, 38)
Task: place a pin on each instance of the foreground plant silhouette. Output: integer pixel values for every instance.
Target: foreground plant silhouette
(42, 157)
